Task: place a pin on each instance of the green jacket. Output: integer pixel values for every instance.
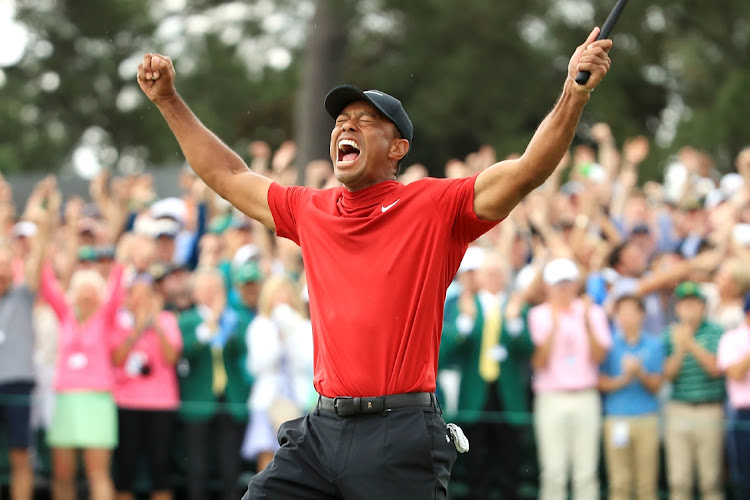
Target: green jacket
(461, 351)
(196, 372)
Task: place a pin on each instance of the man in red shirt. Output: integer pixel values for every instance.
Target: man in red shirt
(379, 256)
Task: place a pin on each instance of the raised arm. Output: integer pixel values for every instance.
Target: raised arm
(45, 217)
(214, 162)
(499, 188)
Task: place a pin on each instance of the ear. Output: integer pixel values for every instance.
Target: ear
(398, 149)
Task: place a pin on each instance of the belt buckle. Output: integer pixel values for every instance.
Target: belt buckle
(345, 405)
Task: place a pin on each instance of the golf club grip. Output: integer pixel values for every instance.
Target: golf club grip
(583, 76)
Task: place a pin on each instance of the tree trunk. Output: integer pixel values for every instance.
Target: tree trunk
(326, 48)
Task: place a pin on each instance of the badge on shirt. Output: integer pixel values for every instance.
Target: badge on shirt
(77, 361)
(620, 434)
(2, 337)
(499, 353)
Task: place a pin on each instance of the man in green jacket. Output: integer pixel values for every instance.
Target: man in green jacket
(485, 337)
(213, 386)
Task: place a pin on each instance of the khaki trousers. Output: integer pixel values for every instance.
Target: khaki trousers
(631, 449)
(694, 438)
(567, 427)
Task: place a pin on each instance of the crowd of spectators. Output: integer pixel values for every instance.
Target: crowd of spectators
(604, 313)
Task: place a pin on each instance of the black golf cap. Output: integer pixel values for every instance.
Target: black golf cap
(340, 97)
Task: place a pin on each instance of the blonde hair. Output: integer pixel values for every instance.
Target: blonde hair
(84, 277)
(273, 285)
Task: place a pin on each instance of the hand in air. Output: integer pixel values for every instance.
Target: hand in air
(593, 57)
(156, 77)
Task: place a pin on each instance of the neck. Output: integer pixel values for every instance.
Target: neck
(632, 335)
(353, 188)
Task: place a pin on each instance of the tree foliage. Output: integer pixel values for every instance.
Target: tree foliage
(469, 73)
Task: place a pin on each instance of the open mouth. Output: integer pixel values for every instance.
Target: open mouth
(348, 151)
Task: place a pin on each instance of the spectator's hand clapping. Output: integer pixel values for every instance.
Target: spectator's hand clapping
(631, 366)
(682, 334)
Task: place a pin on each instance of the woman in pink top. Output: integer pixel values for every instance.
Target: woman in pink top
(147, 346)
(733, 358)
(571, 338)
(85, 415)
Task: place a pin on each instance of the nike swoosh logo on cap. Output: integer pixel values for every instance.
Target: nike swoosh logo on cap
(385, 209)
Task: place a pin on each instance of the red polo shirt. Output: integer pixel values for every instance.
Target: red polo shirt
(378, 263)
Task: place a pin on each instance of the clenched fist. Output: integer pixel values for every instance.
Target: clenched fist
(156, 77)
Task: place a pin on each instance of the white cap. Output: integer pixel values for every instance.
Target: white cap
(165, 227)
(173, 208)
(741, 234)
(559, 270)
(472, 259)
(243, 254)
(24, 229)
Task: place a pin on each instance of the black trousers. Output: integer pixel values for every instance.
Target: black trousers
(398, 454)
(143, 434)
(213, 445)
(493, 454)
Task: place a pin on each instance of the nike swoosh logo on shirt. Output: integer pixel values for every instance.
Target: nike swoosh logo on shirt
(385, 209)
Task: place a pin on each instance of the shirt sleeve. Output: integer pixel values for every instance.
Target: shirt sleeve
(51, 292)
(284, 203)
(599, 323)
(725, 355)
(455, 197)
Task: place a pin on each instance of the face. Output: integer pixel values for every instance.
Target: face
(165, 247)
(140, 295)
(562, 293)
(365, 147)
(209, 290)
(690, 310)
(629, 315)
(250, 292)
(87, 298)
(633, 260)
(175, 288)
(492, 278)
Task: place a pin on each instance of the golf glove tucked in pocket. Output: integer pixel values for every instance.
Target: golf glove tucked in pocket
(459, 438)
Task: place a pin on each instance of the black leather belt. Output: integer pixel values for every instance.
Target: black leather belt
(345, 406)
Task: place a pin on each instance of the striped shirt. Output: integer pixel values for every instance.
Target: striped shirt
(692, 384)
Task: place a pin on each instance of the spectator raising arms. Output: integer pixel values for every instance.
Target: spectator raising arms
(17, 334)
(85, 413)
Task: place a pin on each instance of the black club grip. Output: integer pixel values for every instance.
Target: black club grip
(583, 76)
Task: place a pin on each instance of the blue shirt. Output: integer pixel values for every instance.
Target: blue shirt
(634, 398)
